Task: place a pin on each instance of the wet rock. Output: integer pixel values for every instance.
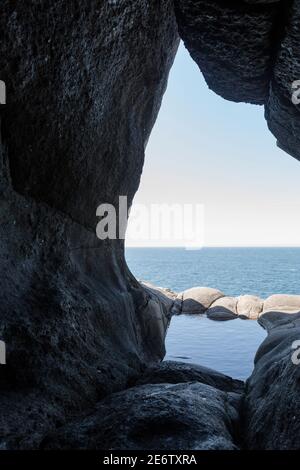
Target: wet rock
(165, 416)
(198, 299)
(180, 372)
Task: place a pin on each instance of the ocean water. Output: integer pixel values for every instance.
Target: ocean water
(228, 347)
(235, 271)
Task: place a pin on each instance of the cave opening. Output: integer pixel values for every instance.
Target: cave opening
(206, 150)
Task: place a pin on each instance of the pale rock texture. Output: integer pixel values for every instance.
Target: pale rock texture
(223, 309)
(249, 306)
(198, 299)
(282, 303)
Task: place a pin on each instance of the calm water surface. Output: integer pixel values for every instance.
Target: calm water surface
(235, 271)
(228, 347)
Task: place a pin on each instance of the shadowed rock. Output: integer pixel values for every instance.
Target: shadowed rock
(272, 401)
(165, 416)
(283, 116)
(233, 44)
(84, 85)
(249, 51)
(179, 372)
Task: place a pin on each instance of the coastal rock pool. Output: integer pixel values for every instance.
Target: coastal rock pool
(228, 346)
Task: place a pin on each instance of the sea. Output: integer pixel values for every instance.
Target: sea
(230, 346)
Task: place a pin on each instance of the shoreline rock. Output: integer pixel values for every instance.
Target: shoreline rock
(218, 306)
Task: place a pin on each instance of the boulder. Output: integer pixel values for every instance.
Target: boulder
(223, 309)
(249, 306)
(186, 416)
(199, 299)
(180, 372)
(282, 303)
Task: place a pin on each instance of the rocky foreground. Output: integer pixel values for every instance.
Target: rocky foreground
(180, 406)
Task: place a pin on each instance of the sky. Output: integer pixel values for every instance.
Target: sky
(209, 152)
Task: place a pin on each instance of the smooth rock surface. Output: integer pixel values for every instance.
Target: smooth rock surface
(180, 372)
(165, 416)
(76, 323)
(223, 309)
(282, 303)
(249, 306)
(198, 299)
(272, 399)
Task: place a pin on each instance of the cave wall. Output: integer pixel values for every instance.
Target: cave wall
(84, 84)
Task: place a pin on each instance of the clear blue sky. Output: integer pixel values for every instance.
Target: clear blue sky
(206, 150)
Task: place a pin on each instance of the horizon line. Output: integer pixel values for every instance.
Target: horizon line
(214, 246)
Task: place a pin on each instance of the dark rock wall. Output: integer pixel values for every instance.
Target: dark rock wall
(84, 82)
(272, 400)
(248, 51)
(283, 117)
(233, 43)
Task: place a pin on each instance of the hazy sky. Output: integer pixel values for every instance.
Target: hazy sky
(205, 150)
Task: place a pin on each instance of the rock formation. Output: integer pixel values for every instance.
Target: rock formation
(218, 306)
(183, 412)
(249, 306)
(282, 303)
(199, 299)
(224, 308)
(84, 84)
(248, 51)
(272, 400)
